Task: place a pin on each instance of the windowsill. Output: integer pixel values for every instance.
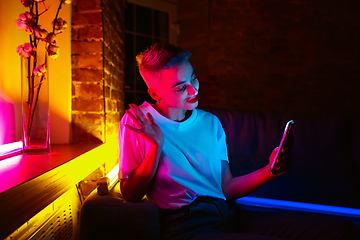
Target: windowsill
(31, 182)
(21, 168)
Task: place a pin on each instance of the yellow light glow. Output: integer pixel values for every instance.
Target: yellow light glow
(113, 176)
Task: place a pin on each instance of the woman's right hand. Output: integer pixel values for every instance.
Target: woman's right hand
(147, 127)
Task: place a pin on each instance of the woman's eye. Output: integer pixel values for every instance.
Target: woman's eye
(194, 79)
(181, 89)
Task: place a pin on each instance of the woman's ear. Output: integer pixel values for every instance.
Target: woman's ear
(153, 94)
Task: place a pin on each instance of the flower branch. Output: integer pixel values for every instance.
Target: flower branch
(36, 71)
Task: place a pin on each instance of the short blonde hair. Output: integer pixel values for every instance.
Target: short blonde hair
(159, 57)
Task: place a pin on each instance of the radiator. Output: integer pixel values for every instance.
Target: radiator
(58, 226)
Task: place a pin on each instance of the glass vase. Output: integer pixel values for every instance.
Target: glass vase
(35, 104)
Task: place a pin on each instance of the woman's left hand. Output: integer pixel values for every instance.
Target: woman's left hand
(272, 158)
(147, 127)
(285, 160)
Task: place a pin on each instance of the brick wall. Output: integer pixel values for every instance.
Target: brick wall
(97, 71)
(114, 60)
(298, 55)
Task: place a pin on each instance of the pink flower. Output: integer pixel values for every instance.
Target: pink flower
(53, 51)
(20, 24)
(27, 47)
(22, 17)
(26, 54)
(50, 38)
(27, 16)
(27, 3)
(60, 24)
(29, 29)
(26, 22)
(39, 71)
(19, 49)
(41, 33)
(25, 50)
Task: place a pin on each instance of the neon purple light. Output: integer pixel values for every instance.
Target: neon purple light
(299, 206)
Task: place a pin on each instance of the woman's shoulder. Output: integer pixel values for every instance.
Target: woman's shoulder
(145, 108)
(205, 115)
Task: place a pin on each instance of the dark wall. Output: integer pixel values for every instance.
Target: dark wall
(300, 55)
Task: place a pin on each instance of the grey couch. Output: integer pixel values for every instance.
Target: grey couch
(326, 170)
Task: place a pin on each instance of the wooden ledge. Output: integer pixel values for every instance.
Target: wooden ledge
(31, 182)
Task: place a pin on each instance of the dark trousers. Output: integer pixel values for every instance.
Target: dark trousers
(209, 219)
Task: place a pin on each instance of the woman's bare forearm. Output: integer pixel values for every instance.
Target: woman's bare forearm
(138, 183)
(243, 185)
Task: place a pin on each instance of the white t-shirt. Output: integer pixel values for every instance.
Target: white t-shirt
(190, 164)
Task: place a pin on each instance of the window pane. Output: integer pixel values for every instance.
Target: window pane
(129, 98)
(143, 20)
(140, 84)
(141, 97)
(161, 24)
(160, 40)
(147, 26)
(129, 17)
(142, 43)
(129, 61)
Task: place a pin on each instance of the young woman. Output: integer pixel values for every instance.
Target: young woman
(177, 156)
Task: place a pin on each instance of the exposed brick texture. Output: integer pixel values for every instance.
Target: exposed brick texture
(91, 47)
(83, 75)
(90, 61)
(83, 18)
(90, 33)
(97, 69)
(88, 5)
(113, 22)
(274, 55)
(87, 90)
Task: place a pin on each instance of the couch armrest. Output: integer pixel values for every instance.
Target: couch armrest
(111, 217)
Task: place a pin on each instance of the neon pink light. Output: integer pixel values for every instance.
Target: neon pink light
(7, 122)
(10, 149)
(8, 146)
(9, 164)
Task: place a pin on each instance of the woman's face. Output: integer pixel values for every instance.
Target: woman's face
(179, 87)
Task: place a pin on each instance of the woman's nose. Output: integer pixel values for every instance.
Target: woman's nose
(192, 90)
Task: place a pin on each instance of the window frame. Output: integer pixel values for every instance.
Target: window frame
(134, 93)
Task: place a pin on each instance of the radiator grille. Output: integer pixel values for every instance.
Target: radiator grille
(59, 226)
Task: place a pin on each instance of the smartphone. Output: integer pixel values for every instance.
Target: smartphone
(278, 164)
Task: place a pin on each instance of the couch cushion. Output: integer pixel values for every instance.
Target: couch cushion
(355, 130)
(111, 217)
(250, 136)
(322, 162)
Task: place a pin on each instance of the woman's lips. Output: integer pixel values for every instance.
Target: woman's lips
(193, 100)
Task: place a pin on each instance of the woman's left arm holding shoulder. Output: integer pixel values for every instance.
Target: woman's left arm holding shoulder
(241, 186)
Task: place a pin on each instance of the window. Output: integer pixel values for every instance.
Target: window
(144, 25)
